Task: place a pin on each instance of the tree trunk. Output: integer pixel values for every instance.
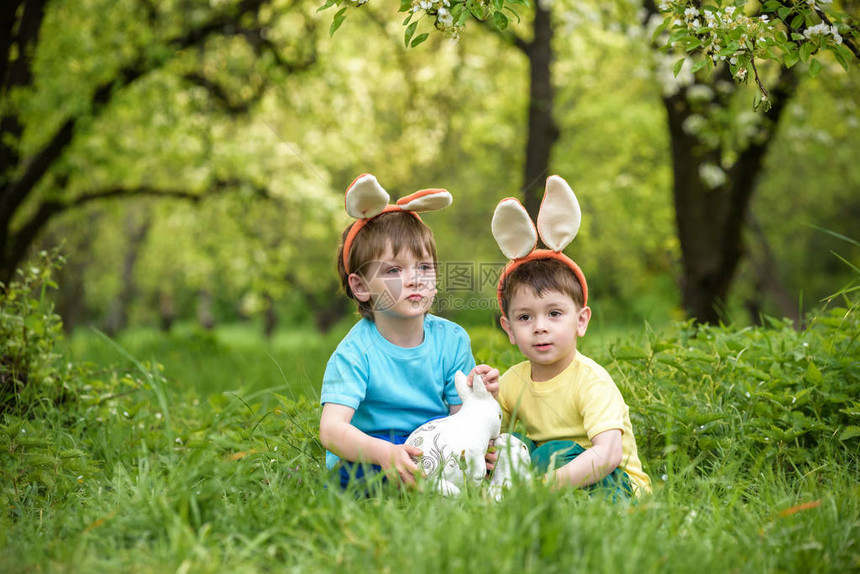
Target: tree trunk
(137, 227)
(708, 256)
(710, 221)
(270, 318)
(204, 310)
(542, 129)
(767, 280)
(166, 309)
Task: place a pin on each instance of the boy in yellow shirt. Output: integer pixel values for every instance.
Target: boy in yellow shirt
(570, 406)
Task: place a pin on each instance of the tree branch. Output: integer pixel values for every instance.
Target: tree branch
(8, 11)
(17, 72)
(510, 37)
(219, 94)
(40, 163)
(745, 171)
(49, 209)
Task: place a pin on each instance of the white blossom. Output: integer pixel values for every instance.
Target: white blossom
(694, 124)
(823, 30)
(444, 18)
(712, 175)
(699, 93)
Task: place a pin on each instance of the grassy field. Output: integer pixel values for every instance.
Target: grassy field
(198, 452)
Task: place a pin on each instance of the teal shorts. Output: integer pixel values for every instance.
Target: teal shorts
(557, 453)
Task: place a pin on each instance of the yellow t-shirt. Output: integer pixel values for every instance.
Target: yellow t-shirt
(579, 403)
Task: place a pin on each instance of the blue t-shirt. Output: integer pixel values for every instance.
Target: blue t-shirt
(392, 388)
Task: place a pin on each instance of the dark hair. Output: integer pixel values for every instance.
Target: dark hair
(400, 229)
(542, 275)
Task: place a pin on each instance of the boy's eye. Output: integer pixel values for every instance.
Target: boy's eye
(392, 270)
(555, 313)
(425, 267)
(523, 317)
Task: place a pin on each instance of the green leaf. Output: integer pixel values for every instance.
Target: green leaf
(410, 31)
(791, 58)
(328, 4)
(338, 20)
(813, 375)
(784, 11)
(797, 21)
(843, 56)
(500, 20)
(630, 353)
(771, 5)
(475, 9)
(420, 39)
(850, 432)
(806, 51)
(660, 29)
(405, 5)
(678, 65)
(814, 67)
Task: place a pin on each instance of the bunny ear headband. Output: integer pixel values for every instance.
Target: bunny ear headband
(557, 222)
(365, 199)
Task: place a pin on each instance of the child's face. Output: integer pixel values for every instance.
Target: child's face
(545, 328)
(398, 286)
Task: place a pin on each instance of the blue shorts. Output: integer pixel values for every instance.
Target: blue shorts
(362, 473)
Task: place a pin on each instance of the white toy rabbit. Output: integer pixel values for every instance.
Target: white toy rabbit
(512, 464)
(454, 446)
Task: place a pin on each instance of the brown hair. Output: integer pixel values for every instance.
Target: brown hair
(542, 275)
(400, 229)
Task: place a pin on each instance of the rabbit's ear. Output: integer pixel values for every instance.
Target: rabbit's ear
(426, 200)
(559, 217)
(513, 229)
(478, 386)
(365, 197)
(462, 385)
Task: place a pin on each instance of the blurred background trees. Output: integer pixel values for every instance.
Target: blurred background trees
(191, 157)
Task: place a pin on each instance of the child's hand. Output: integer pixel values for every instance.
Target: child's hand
(491, 457)
(402, 466)
(489, 375)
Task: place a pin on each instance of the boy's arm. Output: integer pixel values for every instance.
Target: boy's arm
(595, 463)
(338, 435)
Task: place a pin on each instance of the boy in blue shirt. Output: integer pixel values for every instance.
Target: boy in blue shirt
(395, 369)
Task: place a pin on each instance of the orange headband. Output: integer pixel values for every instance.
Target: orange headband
(534, 256)
(365, 199)
(359, 225)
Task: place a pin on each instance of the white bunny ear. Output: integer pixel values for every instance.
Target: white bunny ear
(513, 229)
(478, 386)
(461, 382)
(559, 216)
(365, 197)
(426, 200)
(462, 386)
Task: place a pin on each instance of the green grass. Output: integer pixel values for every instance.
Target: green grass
(198, 452)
